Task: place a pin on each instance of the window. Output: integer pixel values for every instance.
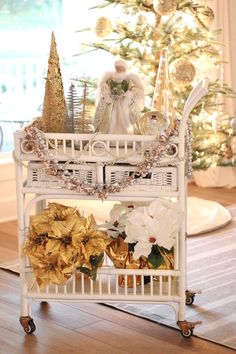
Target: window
(25, 29)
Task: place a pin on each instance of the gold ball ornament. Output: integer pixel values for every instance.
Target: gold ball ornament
(164, 7)
(103, 27)
(152, 123)
(147, 2)
(182, 72)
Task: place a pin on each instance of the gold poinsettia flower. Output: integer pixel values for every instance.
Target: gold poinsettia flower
(50, 269)
(35, 244)
(41, 223)
(60, 238)
(71, 225)
(90, 241)
(62, 212)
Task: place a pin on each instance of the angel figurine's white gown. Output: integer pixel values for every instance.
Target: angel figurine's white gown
(120, 101)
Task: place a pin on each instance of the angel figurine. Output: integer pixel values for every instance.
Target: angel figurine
(120, 101)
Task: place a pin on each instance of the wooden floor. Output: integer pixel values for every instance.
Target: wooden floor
(72, 328)
(224, 196)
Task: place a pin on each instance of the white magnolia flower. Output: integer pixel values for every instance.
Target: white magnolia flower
(156, 224)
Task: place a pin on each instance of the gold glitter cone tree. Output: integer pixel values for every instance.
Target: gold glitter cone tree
(54, 115)
(182, 26)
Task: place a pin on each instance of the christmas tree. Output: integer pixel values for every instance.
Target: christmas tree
(183, 27)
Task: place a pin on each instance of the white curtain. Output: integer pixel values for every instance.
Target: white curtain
(225, 12)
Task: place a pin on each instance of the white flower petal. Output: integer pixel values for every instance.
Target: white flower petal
(142, 249)
(134, 233)
(166, 230)
(137, 217)
(155, 208)
(116, 212)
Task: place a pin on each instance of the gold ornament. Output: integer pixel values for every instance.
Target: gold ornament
(54, 115)
(182, 72)
(147, 2)
(152, 123)
(206, 15)
(162, 97)
(164, 7)
(103, 27)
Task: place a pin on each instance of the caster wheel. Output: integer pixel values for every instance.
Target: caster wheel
(30, 327)
(187, 334)
(189, 301)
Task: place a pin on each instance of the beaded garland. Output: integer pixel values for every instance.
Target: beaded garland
(35, 142)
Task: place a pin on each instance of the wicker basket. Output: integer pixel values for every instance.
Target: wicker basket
(160, 178)
(37, 176)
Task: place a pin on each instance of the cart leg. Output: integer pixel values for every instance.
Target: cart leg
(25, 319)
(23, 301)
(185, 327)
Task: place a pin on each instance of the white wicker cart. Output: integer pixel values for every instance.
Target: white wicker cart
(105, 159)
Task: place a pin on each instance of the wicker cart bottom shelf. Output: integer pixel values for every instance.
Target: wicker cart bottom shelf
(145, 286)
